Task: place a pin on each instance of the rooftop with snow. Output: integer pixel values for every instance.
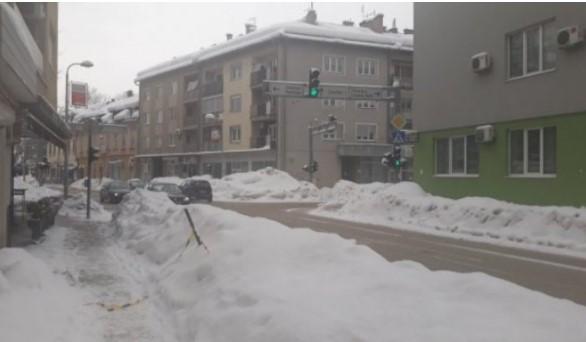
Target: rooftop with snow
(305, 29)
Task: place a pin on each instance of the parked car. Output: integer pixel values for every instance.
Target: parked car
(173, 191)
(197, 190)
(135, 183)
(114, 191)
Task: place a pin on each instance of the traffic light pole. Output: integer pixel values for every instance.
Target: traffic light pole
(311, 170)
(89, 169)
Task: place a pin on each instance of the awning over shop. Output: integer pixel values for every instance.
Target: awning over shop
(44, 121)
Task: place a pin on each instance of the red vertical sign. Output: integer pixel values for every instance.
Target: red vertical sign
(79, 94)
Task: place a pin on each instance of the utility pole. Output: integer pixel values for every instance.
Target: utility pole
(89, 169)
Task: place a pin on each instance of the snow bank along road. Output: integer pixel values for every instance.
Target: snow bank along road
(556, 275)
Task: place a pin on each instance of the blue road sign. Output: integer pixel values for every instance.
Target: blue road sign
(399, 137)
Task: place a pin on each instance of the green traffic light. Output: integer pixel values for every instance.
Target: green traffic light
(313, 92)
(397, 163)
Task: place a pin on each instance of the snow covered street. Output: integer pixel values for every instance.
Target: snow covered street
(139, 277)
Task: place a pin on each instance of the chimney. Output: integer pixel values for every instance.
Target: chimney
(375, 24)
(348, 23)
(311, 17)
(394, 29)
(408, 31)
(229, 36)
(249, 27)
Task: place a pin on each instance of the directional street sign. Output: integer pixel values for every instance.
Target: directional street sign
(331, 90)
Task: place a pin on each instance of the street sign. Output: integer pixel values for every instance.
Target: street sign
(398, 121)
(79, 94)
(399, 137)
(331, 90)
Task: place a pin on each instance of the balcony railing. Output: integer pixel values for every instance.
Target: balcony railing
(213, 88)
(257, 77)
(212, 146)
(263, 111)
(262, 141)
(191, 95)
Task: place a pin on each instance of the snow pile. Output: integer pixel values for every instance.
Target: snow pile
(97, 183)
(407, 206)
(35, 304)
(266, 185)
(75, 207)
(34, 192)
(262, 281)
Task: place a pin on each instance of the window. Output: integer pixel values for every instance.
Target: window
(365, 132)
(171, 139)
(147, 94)
(147, 142)
(160, 117)
(159, 141)
(338, 133)
(334, 64)
(147, 119)
(403, 71)
(532, 50)
(366, 67)
(456, 155)
(235, 103)
(174, 88)
(365, 104)
(234, 134)
(532, 151)
(236, 72)
(160, 93)
(171, 113)
(334, 103)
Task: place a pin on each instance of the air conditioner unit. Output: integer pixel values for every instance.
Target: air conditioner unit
(570, 36)
(481, 62)
(484, 134)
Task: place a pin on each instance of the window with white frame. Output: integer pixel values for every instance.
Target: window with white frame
(160, 117)
(334, 103)
(147, 118)
(236, 72)
(212, 104)
(334, 64)
(174, 88)
(456, 156)
(532, 50)
(532, 151)
(366, 67)
(147, 94)
(235, 134)
(235, 104)
(366, 104)
(365, 132)
(336, 134)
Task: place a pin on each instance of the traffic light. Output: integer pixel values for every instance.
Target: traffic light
(397, 160)
(93, 153)
(313, 82)
(312, 167)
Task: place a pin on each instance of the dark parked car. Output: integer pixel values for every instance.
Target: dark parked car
(135, 183)
(173, 191)
(197, 190)
(113, 192)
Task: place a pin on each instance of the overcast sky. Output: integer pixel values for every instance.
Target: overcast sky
(122, 39)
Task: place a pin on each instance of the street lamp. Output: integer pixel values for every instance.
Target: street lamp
(85, 64)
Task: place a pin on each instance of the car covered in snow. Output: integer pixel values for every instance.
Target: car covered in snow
(173, 191)
(114, 191)
(135, 183)
(197, 190)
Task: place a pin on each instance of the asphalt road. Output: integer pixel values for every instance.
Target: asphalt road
(556, 275)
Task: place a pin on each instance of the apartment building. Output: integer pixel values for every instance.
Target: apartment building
(499, 105)
(208, 113)
(28, 88)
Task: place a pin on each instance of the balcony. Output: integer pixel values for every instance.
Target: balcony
(263, 111)
(262, 141)
(213, 88)
(211, 146)
(257, 77)
(191, 95)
